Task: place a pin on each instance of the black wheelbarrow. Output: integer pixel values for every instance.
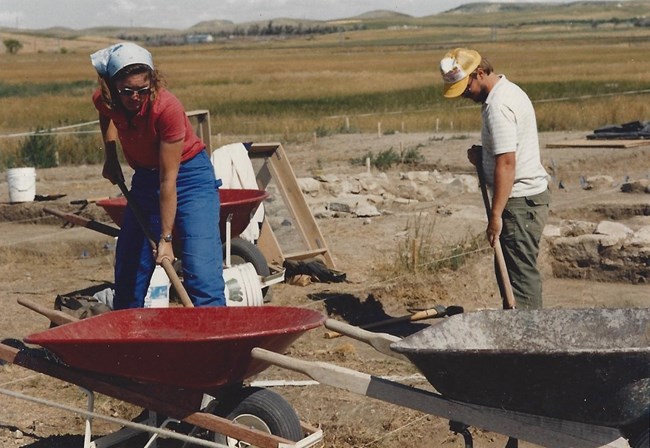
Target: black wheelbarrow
(554, 377)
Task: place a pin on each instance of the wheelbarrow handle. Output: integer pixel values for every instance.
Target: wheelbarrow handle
(379, 341)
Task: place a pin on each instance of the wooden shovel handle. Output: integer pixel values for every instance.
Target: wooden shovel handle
(498, 250)
(58, 317)
(419, 315)
(84, 222)
(166, 264)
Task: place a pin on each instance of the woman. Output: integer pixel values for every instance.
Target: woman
(173, 184)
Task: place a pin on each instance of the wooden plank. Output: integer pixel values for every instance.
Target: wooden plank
(295, 201)
(277, 168)
(269, 246)
(303, 255)
(598, 143)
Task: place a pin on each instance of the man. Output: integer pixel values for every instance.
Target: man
(511, 164)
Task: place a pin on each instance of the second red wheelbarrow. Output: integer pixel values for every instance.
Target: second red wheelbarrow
(237, 206)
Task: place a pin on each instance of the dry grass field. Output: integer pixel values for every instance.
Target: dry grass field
(580, 77)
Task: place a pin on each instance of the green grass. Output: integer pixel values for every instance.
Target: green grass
(24, 89)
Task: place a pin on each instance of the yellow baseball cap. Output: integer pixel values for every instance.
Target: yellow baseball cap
(455, 68)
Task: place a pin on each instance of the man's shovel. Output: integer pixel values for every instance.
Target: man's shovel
(498, 251)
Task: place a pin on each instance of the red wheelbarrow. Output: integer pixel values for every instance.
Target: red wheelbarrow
(237, 206)
(194, 348)
(166, 359)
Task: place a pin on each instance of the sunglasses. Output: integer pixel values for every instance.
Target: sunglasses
(130, 92)
(468, 89)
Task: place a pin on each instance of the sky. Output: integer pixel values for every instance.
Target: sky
(181, 14)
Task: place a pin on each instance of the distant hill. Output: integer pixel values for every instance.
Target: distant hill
(381, 14)
(524, 12)
(477, 14)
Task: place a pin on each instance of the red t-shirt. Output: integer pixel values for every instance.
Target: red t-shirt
(161, 120)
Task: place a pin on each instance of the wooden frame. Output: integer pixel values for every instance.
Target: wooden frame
(276, 167)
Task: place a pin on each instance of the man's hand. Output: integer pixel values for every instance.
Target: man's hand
(474, 154)
(493, 231)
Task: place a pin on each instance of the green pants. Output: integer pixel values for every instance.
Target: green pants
(524, 219)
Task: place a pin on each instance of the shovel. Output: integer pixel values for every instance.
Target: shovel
(498, 251)
(55, 316)
(85, 222)
(166, 263)
(437, 311)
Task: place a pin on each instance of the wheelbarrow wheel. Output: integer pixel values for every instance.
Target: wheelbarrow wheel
(243, 251)
(261, 409)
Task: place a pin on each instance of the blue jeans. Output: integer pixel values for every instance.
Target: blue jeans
(196, 226)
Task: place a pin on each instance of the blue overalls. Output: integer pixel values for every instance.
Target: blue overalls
(196, 225)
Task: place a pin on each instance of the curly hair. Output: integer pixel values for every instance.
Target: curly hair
(109, 91)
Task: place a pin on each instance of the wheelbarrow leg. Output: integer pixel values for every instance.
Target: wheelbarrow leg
(463, 430)
(512, 443)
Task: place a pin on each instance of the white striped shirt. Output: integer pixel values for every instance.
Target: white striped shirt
(509, 125)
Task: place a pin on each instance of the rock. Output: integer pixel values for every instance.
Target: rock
(613, 229)
(407, 190)
(576, 228)
(370, 186)
(598, 182)
(339, 207)
(641, 237)
(376, 199)
(424, 194)
(366, 210)
(470, 183)
(309, 186)
(552, 231)
(328, 178)
(637, 186)
(405, 201)
(455, 186)
(418, 176)
(342, 187)
(582, 250)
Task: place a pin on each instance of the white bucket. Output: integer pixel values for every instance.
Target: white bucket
(158, 292)
(22, 184)
(243, 287)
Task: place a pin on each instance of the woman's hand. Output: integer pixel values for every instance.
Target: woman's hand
(164, 250)
(112, 170)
